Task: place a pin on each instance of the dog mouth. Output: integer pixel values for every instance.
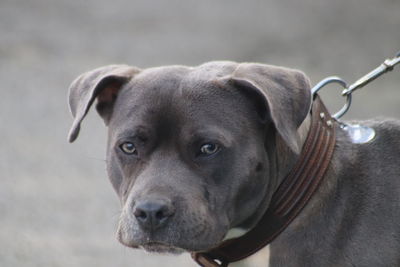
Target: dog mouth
(159, 247)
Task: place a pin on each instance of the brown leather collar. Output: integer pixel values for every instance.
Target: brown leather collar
(291, 196)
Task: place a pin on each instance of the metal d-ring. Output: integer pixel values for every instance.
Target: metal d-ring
(334, 79)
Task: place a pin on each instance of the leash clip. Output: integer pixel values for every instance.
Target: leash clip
(386, 66)
(340, 81)
(358, 134)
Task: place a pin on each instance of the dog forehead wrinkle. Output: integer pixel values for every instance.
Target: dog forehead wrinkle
(214, 100)
(161, 87)
(150, 106)
(165, 117)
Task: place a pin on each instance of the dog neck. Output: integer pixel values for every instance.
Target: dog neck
(302, 133)
(291, 196)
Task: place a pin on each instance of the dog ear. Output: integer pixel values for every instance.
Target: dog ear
(104, 84)
(283, 94)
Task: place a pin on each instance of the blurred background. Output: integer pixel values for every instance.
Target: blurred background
(57, 207)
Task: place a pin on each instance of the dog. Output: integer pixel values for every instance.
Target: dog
(196, 153)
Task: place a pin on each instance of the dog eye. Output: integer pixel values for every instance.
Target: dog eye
(208, 149)
(128, 148)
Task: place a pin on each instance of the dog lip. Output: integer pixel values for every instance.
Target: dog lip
(160, 247)
(155, 243)
(130, 245)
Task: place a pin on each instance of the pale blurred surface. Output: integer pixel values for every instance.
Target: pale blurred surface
(57, 207)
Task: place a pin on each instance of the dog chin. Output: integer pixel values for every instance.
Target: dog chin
(156, 247)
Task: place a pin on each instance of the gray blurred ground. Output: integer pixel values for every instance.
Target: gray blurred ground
(56, 205)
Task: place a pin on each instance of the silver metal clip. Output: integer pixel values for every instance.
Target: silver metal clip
(358, 134)
(334, 79)
(386, 66)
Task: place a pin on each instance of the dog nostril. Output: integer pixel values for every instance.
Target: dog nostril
(140, 214)
(152, 214)
(160, 215)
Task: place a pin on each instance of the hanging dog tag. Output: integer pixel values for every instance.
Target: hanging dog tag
(359, 134)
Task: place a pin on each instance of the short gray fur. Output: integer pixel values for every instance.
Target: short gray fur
(255, 113)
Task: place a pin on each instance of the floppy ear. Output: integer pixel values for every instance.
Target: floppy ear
(103, 83)
(285, 96)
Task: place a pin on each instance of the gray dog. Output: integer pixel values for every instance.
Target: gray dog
(194, 152)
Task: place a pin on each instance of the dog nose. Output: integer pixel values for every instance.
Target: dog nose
(153, 214)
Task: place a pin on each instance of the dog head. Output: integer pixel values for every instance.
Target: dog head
(192, 152)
